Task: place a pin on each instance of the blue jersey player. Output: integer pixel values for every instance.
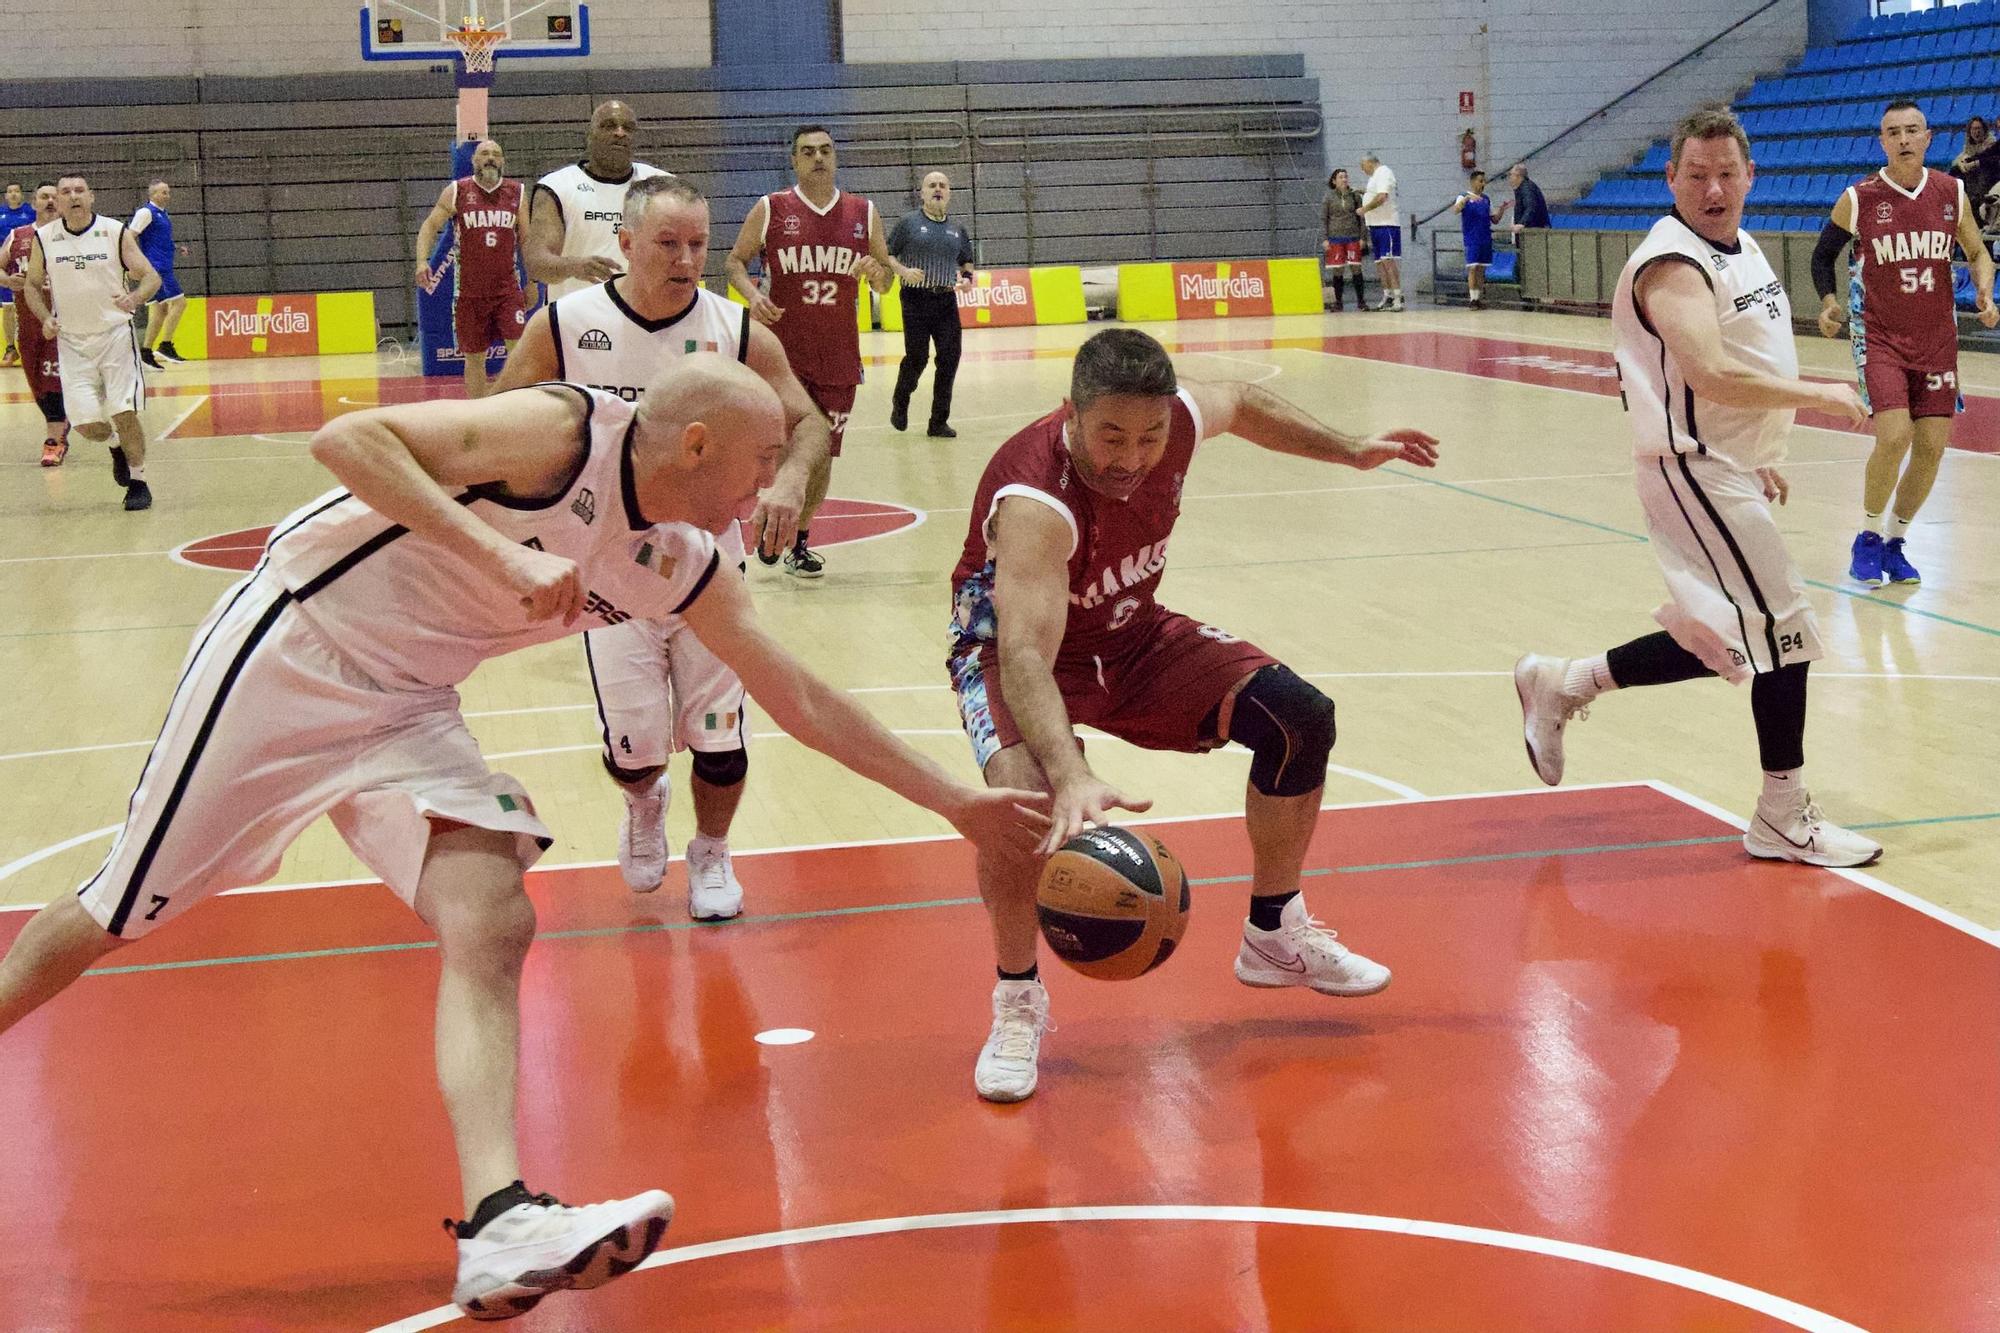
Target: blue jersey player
(155, 230)
(1475, 224)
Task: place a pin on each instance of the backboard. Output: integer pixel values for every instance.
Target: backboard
(396, 30)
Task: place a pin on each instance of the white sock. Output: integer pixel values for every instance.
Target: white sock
(707, 846)
(1588, 677)
(1871, 523)
(1899, 527)
(1782, 788)
(138, 474)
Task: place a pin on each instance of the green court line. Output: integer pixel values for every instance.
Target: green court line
(824, 913)
(1904, 607)
(1515, 504)
(1853, 593)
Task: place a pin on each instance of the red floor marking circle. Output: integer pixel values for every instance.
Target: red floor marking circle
(838, 522)
(234, 551)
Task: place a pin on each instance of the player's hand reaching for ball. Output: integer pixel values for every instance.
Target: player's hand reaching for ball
(549, 586)
(1395, 446)
(1087, 800)
(1001, 820)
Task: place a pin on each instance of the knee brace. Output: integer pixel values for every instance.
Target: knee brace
(1288, 728)
(51, 405)
(722, 768)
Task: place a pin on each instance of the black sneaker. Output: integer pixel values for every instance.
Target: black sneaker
(121, 471)
(138, 496)
(941, 432)
(763, 559)
(166, 349)
(146, 355)
(802, 563)
(899, 416)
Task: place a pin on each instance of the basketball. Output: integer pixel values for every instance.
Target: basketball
(1113, 903)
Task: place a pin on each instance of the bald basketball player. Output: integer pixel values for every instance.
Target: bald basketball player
(575, 214)
(326, 683)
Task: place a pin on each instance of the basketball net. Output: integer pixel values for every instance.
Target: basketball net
(476, 44)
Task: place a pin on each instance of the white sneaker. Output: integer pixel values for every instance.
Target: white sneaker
(713, 893)
(1301, 952)
(642, 835)
(1006, 1069)
(1545, 711)
(540, 1245)
(1398, 305)
(1798, 831)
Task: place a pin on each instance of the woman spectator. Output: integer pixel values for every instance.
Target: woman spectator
(1340, 218)
(1979, 165)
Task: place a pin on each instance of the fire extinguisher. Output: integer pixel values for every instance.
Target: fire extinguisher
(1468, 151)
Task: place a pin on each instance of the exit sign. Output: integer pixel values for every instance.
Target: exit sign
(1465, 104)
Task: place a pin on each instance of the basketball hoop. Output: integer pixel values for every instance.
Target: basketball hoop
(476, 44)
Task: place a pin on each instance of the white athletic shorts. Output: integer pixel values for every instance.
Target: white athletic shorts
(271, 727)
(659, 689)
(1739, 603)
(101, 377)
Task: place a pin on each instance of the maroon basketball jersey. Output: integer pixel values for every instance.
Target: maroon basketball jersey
(1903, 244)
(20, 242)
(1120, 547)
(486, 236)
(809, 259)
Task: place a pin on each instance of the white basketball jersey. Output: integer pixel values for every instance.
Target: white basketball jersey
(413, 614)
(592, 209)
(603, 343)
(1756, 318)
(86, 274)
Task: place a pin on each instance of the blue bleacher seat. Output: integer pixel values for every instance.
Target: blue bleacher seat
(1505, 266)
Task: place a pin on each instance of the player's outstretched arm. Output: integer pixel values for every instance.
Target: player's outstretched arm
(441, 212)
(1261, 417)
(533, 359)
(1675, 298)
(1031, 546)
(408, 461)
(775, 522)
(832, 723)
(137, 266)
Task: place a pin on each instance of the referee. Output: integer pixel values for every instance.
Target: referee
(942, 252)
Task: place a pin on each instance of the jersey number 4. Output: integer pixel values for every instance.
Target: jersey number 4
(1918, 279)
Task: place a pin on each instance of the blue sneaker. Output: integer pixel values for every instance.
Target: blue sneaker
(1866, 566)
(1896, 567)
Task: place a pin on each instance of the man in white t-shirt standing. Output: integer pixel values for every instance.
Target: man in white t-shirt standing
(574, 215)
(1385, 228)
(1708, 371)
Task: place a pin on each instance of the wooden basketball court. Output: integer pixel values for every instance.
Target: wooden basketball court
(1625, 1077)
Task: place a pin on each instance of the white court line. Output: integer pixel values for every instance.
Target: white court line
(1787, 1312)
(1274, 371)
(943, 689)
(1866, 881)
(905, 840)
(192, 407)
(22, 863)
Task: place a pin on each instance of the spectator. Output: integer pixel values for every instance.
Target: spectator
(1530, 208)
(1979, 165)
(1340, 220)
(1385, 228)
